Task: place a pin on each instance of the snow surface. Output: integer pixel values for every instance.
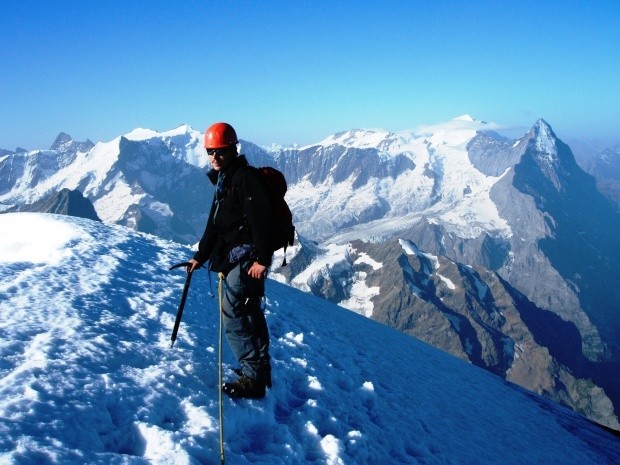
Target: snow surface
(87, 374)
(359, 138)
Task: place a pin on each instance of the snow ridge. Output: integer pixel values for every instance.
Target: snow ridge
(88, 375)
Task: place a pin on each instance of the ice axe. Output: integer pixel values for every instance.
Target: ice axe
(188, 279)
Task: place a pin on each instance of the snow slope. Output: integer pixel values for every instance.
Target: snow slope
(87, 374)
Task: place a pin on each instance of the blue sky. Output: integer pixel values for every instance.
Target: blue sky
(295, 72)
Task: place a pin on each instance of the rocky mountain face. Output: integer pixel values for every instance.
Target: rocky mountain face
(468, 311)
(501, 252)
(579, 243)
(64, 143)
(65, 202)
(605, 167)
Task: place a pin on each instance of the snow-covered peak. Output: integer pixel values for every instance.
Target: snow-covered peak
(141, 134)
(456, 131)
(379, 139)
(358, 138)
(183, 141)
(184, 130)
(146, 134)
(544, 138)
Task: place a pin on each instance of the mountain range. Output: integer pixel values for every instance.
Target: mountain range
(502, 252)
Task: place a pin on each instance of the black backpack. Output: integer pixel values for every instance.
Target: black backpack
(283, 233)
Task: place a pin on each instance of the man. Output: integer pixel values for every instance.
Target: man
(236, 243)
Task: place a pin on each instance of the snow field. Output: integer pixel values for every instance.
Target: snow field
(87, 374)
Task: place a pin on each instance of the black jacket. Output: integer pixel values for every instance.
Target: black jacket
(241, 213)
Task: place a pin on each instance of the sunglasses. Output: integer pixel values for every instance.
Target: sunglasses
(218, 152)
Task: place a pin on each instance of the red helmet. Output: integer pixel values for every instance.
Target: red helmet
(220, 135)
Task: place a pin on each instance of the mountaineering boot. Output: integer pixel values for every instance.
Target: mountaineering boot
(265, 376)
(245, 387)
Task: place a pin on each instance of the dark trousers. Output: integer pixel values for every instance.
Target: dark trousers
(244, 322)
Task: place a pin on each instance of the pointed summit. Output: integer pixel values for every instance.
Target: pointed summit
(62, 140)
(553, 158)
(64, 143)
(545, 137)
(541, 123)
(182, 129)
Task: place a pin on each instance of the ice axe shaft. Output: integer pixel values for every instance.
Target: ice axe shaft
(177, 322)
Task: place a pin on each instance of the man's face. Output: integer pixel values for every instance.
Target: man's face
(222, 158)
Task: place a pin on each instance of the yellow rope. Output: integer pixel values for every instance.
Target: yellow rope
(220, 369)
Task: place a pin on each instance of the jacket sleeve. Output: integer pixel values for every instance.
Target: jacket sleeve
(208, 240)
(258, 212)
